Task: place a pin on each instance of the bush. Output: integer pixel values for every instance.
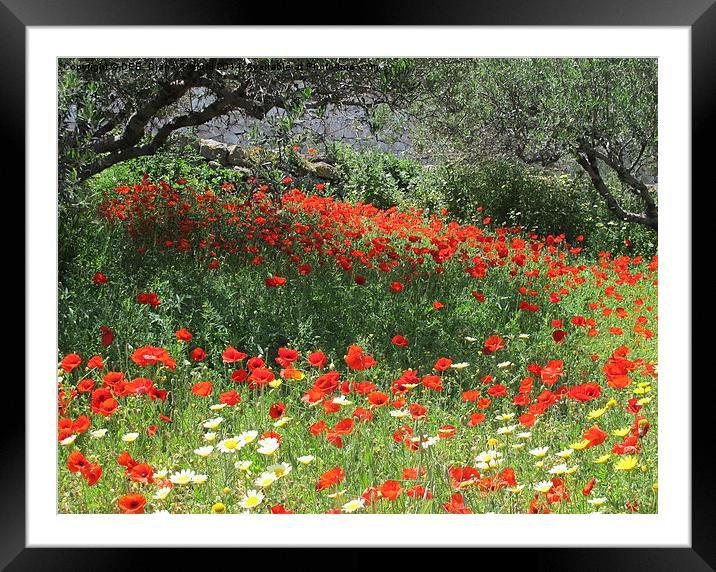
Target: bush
(543, 202)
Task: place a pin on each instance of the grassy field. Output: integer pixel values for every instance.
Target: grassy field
(242, 348)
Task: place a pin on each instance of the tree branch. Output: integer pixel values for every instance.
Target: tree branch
(587, 159)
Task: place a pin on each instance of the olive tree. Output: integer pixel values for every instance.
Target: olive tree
(112, 110)
(600, 114)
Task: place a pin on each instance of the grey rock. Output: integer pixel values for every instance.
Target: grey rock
(237, 156)
(323, 170)
(213, 150)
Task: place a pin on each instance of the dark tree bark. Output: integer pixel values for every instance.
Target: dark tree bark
(588, 158)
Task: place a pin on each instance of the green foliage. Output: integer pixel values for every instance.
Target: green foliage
(512, 194)
(544, 202)
(385, 180)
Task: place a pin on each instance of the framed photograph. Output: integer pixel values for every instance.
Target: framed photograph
(370, 286)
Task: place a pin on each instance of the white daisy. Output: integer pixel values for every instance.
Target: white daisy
(230, 445)
(353, 505)
(183, 477)
(265, 479)
(539, 451)
(162, 493)
(247, 437)
(252, 499)
(542, 486)
(507, 430)
(267, 446)
(280, 470)
(212, 423)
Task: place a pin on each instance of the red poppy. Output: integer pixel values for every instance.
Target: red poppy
(198, 354)
(103, 403)
(149, 355)
(417, 411)
(330, 478)
(184, 335)
(493, 344)
(255, 363)
(231, 398)
(595, 436)
(585, 392)
(141, 473)
(277, 410)
(81, 424)
(433, 382)
(95, 362)
(92, 473)
(132, 504)
(232, 355)
(390, 490)
(559, 335)
(202, 389)
(149, 298)
(419, 492)
(447, 431)
(476, 419)
(527, 419)
(456, 505)
(99, 278)
(274, 282)
(497, 390)
(85, 386)
(70, 362)
(344, 426)
(588, 487)
(378, 398)
(397, 287)
(280, 509)
(400, 341)
(317, 359)
(317, 428)
(442, 364)
(334, 438)
(470, 395)
(76, 462)
(125, 459)
(261, 376)
(357, 360)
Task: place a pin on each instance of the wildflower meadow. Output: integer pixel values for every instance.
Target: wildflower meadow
(238, 343)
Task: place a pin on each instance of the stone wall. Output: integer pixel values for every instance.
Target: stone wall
(346, 125)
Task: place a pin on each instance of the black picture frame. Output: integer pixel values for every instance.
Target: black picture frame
(17, 15)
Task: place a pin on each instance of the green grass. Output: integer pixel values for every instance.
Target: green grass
(327, 310)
